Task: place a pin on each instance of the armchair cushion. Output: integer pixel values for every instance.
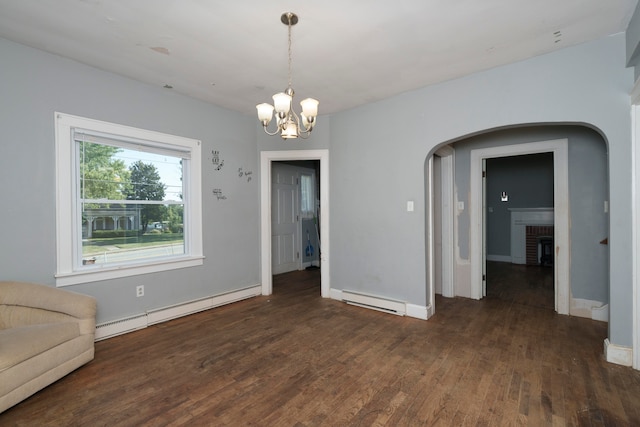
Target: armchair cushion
(25, 342)
(45, 333)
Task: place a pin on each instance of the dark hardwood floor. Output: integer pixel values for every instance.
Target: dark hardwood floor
(521, 284)
(295, 359)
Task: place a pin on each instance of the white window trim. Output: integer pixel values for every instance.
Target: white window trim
(66, 217)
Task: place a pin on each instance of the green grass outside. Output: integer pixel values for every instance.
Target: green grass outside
(98, 245)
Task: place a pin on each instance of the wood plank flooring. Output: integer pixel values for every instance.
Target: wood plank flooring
(295, 359)
(521, 284)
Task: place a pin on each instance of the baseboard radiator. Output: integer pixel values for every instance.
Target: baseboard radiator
(140, 321)
(385, 305)
(120, 326)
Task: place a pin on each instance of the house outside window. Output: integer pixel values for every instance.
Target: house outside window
(128, 201)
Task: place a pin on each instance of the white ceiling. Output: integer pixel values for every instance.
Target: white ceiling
(346, 53)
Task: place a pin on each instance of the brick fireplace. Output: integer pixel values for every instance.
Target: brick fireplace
(527, 225)
(533, 234)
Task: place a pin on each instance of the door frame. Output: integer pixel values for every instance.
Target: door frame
(266, 158)
(559, 148)
(446, 154)
(635, 137)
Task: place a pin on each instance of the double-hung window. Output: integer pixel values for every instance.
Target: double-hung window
(307, 196)
(128, 201)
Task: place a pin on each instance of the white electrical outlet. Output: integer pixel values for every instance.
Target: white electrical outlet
(410, 206)
(140, 291)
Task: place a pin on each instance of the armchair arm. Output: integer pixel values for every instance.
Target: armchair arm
(16, 298)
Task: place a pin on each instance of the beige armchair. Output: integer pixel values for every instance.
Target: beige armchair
(45, 333)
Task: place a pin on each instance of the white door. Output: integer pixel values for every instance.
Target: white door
(285, 253)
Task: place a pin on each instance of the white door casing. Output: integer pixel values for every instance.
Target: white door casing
(635, 138)
(559, 148)
(447, 212)
(436, 212)
(266, 159)
(484, 228)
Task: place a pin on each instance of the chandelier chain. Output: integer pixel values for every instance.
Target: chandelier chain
(289, 40)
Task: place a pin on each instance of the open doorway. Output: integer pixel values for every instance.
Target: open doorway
(267, 158)
(295, 209)
(519, 229)
(560, 213)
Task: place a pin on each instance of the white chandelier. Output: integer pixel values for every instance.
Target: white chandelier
(289, 124)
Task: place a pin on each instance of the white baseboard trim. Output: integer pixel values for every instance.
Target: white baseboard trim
(600, 313)
(122, 326)
(499, 258)
(618, 354)
(312, 263)
(419, 311)
(595, 310)
(305, 265)
(335, 294)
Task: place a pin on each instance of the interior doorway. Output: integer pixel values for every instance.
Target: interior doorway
(295, 209)
(266, 162)
(559, 149)
(519, 203)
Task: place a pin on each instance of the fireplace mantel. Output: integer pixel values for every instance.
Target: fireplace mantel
(520, 218)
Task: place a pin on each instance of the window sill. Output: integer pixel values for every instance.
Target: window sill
(94, 274)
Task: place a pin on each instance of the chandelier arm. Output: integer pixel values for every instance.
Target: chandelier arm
(304, 135)
(295, 117)
(301, 127)
(308, 130)
(275, 132)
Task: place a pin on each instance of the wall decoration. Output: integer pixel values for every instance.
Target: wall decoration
(215, 159)
(218, 193)
(247, 174)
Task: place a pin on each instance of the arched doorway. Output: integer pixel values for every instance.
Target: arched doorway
(586, 176)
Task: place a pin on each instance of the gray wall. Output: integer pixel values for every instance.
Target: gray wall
(528, 181)
(378, 155)
(588, 190)
(33, 85)
(377, 163)
(633, 41)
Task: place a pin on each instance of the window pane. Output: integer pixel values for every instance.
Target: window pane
(114, 234)
(306, 189)
(131, 204)
(109, 172)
